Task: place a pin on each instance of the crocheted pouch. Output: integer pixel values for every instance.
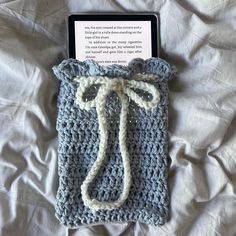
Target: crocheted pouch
(112, 155)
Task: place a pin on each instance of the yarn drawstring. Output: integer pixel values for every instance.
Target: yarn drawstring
(125, 91)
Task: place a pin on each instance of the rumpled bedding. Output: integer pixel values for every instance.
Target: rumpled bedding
(199, 37)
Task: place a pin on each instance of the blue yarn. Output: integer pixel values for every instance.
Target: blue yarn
(78, 132)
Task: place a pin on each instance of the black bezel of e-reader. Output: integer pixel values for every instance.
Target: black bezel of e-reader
(153, 17)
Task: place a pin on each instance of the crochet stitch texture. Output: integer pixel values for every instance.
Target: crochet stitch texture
(120, 115)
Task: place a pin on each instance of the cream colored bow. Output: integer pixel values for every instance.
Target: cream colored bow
(124, 89)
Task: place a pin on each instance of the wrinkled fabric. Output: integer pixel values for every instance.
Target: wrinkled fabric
(199, 37)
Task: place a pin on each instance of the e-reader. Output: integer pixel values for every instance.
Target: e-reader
(113, 38)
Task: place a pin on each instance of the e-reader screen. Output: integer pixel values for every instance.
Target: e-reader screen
(108, 40)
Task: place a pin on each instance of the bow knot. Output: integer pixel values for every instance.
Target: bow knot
(125, 91)
(118, 85)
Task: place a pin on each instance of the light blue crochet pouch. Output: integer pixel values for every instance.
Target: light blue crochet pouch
(113, 154)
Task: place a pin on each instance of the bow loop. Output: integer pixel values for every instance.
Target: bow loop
(85, 84)
(146, 87)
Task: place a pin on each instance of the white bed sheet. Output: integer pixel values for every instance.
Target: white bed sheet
(199, 37)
